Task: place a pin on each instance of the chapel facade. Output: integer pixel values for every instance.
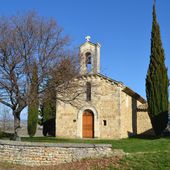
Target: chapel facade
(105, 108)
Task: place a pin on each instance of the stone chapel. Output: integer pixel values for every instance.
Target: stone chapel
(108, 108)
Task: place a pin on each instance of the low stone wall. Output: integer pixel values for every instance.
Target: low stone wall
(37, 154)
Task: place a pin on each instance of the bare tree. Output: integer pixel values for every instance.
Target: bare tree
(25, 39)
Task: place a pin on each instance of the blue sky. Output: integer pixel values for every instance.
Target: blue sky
(122, 27)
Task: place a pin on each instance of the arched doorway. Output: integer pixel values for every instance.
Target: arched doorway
(88, 124)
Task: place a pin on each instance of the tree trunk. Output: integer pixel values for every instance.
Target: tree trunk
(16, 125)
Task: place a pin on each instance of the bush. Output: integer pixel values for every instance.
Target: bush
(5, 135)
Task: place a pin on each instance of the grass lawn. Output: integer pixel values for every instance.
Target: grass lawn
(130, 145)
(147, 161)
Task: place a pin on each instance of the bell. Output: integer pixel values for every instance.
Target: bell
(88, 60)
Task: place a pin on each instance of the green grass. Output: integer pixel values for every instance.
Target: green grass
(130, 145)
(147, 161)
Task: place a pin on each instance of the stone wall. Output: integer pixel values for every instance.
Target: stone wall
(37, 154)
(126, 115)
(143, 123)
(133, 122)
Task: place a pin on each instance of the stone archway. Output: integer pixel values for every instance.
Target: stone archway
(96, 132)
(88, 124)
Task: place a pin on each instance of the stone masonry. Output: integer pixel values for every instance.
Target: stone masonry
(38, 154)
(110, 103)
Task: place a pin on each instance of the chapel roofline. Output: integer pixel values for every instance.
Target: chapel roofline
(89, 42)
(132, 93)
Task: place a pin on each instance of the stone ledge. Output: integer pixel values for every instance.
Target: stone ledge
(63, 145)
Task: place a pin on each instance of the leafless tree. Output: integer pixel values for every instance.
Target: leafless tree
(25, 39)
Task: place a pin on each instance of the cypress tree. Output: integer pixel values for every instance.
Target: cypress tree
(157, 81)
(48, 104)
(48, 111)
(49, 108)
(33, 103)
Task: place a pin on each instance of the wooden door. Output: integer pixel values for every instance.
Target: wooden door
(88, 124)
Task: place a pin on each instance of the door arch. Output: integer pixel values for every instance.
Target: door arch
(88, 124)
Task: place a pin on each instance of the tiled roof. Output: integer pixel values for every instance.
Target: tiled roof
(142, 107)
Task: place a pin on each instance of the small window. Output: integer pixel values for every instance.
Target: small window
(104, 122)
(88, 91)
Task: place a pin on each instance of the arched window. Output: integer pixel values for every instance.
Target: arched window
(88, 91)
(88, 62)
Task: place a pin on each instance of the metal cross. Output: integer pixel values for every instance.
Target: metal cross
(87, 38)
